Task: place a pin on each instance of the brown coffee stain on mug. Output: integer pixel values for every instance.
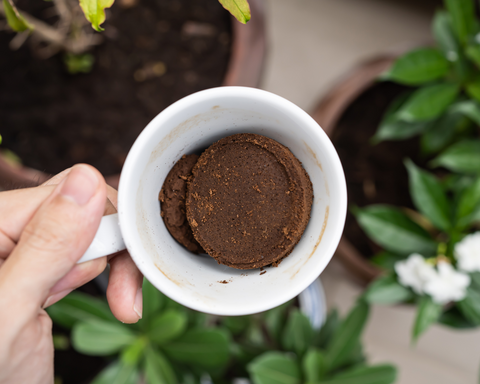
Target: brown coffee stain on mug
(324, 226)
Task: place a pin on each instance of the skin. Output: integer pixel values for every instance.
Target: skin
(43, 232)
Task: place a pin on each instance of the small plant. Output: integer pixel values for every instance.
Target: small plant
(431, 257)
(172, 344)
(70, 34)
(445, 108)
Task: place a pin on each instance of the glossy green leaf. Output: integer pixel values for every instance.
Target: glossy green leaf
(298, 333)
(463, 156)
(462, 13)
(97, 337)
(153, 302)
(377, 374)
(428, 312)
(347, 335)
(238, 8)
(468, 108)
(77, 307)
(314, 365)
(14, 19)
(94, 11)
(387, 290)
(418, 67)
(470, 306)
(157, 368)
(473, 53)
(469, 204)
(328, 329)
(447, 41)
(117, 373)
(167, 326)
(393, 128)
(394, 231)
(428, 196)
(201, 347)
(441, 132)
(428, 102)
(274, 368)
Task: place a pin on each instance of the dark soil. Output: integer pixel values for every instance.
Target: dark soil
(52, 119)
(375, 174)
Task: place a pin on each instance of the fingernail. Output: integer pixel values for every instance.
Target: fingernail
(138, 305)
(56, 297)
(80, 185)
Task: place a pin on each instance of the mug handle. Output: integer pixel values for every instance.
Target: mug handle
(107, 240)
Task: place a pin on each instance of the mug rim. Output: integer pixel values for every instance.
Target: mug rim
(217, 93)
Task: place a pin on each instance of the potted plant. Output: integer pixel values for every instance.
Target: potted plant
(428, 111)
(76, 95)
(172, 344)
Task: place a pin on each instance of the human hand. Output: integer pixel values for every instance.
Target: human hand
(43, 232)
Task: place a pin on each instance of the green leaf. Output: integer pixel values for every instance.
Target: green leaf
(94, 11)
(201, 347)
(469, 108)
(379, 374)
(97, 337)
(441, 132)
(60, 342)
(275, 320)
(328, 329)
(428, 196)
(347, 336)
(392, 128)
(314, 365)
(78, 63)
(418, 67)
(153, 302)
(428, 102)
(274, 368)
(470, 306)
(473, 89)
(157, 368)
(387, 290)
(236, 324)
(448, 43)
(14, 19)
(473, 53)
(385, 260)
(428, 312)
(77, 307)
(469, 204)
(462, 13)
(453, 318)
(167, 326)
(132, 354)
(117, 373)
(238, 8)
(463, 157)
(298, 333)
(394, 231)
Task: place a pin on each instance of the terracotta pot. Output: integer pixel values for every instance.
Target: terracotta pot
(245, 68)
(327, 114)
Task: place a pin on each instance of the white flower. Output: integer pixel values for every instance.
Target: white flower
(447, 284)
(467, 253)
(414, 272)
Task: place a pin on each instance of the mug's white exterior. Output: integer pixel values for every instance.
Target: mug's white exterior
(191, 125)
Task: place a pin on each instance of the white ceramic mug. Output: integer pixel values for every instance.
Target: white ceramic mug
(191, 125)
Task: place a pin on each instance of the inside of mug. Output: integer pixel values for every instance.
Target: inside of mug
(190, 126)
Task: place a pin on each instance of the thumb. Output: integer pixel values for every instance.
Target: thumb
(56, 237)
